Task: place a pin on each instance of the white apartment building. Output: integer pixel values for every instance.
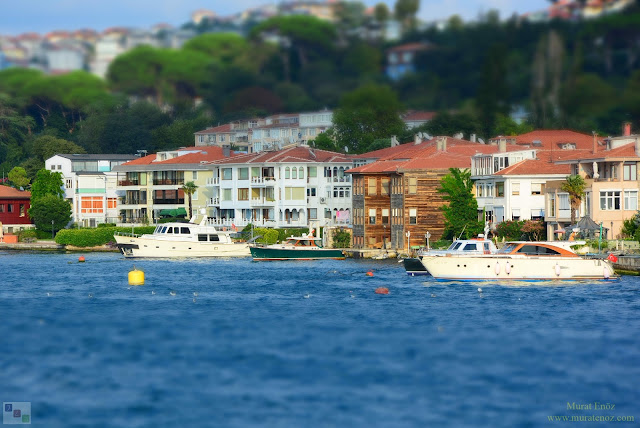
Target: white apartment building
(90, 185)
(296, 186)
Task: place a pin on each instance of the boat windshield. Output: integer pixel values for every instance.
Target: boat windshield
(507, 248)
(454, 246)
(470, 247)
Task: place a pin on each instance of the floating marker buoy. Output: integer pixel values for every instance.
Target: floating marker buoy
(369, 273)
(81, 259)
(479, 290)
(382, 290)
(136, 277)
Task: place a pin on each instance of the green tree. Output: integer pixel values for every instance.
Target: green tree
(574, 185)
(189, 189)
(493, 92)
(50, 212)
(366, 114)
(405, 11)
(46, 183)
(461, 209)
(47, 146)
(18, 176)
(445, 123)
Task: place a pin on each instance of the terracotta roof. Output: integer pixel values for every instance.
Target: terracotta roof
(410, 47)
(623, 152)
(555, 137)
(535, 167)
(418, 115)
(221, 128)
(211, 153)
(7, 192)
(292, 154)
(146, 160)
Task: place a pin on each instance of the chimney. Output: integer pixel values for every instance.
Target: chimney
(502, 145)
(441, 144)
(472, 138)
(394, 141)
(626, 129)
(226, 151)
(416, 139)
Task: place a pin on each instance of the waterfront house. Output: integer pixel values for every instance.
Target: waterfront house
(89, 185)
(14, 210)
(295, 186)
(150, 187)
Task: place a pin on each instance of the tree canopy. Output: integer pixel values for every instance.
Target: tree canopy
(461, 209)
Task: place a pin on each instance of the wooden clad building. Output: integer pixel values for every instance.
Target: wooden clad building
(395, 197)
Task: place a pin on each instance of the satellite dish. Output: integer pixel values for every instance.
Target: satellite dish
(346, 149)
(427, 136)
(481, 140)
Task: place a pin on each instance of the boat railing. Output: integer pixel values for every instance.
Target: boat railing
(127, 234)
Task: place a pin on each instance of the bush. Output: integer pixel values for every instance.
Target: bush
(107, 225)
(28, 234)
(510, 230)
(341, 239)
(95, 237)
(440, 244)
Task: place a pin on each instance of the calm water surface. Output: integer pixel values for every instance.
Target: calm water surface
(307, 344)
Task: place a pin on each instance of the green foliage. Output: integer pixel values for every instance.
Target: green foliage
(366, 114)
(574, 185)
(189, 189)
(441, 244)
(510, 230)
(27, 235)
(631, 226)
(18, 176)
(50, 208)
(46, 183)
(46, 146)
(461, 210)
(342, 239)
(534, 230)
(96, 237)
(107, 225)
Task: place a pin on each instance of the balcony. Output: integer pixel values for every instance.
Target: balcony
(262, 201)
(213, 201)
(213, 181)
(263, 181)
(132, 201)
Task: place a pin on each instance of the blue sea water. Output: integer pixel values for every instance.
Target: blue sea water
(308, 344)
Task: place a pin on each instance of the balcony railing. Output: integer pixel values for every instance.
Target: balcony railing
(213, 201)
(132, 201)
(168, 182)
(168, 201)
(263, 180)
(129, 182)
(213, 181)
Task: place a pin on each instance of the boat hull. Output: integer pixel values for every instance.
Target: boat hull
(132, 247)
(414, 267)
(517, 268)
(266, 253)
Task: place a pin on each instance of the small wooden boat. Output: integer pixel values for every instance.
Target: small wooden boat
(296, 248)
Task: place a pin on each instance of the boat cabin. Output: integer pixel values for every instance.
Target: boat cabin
(537, 249)
(304, 242)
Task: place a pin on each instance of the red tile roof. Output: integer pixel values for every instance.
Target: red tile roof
(216, 129)
(535, 167)
(292, 154)
(418, 115)
(554, 138)
(623, 152)
(7, 192)
(145, 160)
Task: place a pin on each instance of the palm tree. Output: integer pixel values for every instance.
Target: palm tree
(189, 188)
(574, 186)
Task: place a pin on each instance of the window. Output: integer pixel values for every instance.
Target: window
(500, 188)
(385, 216)
(413, 185)
(631, 200)
(479, 188)
(68, 183)
(227, 173)
(255, 171)
(294, 193)
(313, 171)
(294, 172)
(1, 208)
(226, 194)
(301, 172)
(610, 200)
(91, 204)
(287, 173)
(385, 186)
(552, 205)
(21, 210)
(112, 202)
(243, 173)
(311, 191)
(194, 175)
(413, 216)
(243, 194)
(372, 188)
(537, 188)
(313, 213)
(515, 189)
(372, 216)
(630, 172)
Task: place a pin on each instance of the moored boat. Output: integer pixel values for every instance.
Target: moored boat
(306, 247)
(414, 266)
(521, 260)
(183, 240)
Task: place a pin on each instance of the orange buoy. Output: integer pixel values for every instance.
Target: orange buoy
(382, 290)
(369, 273)
(81, 259)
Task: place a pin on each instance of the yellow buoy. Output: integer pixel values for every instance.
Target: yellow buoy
(136, 277)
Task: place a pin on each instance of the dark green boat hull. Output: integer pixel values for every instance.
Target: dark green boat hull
(264, 253)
